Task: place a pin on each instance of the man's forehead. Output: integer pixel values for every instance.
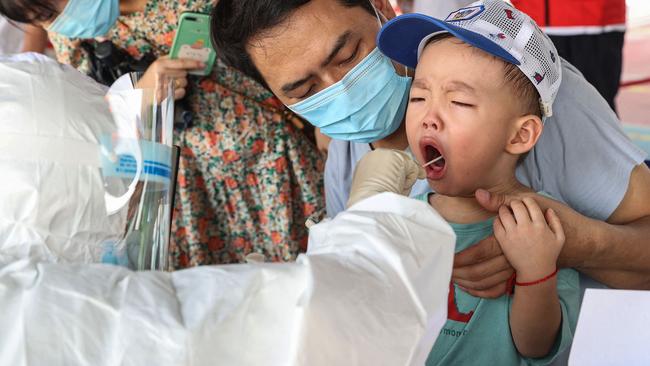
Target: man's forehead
(306, 37)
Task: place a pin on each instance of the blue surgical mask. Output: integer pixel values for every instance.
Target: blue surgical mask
(367, 105)
(86, 18)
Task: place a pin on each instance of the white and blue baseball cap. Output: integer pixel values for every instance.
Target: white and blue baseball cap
(494, 26)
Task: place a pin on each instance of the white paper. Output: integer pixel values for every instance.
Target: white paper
(613, 329)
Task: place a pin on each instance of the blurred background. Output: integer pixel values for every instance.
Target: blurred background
(633, 99)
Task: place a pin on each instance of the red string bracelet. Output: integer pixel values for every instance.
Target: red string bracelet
(537, 281)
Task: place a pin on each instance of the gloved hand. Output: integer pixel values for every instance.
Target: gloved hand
(384, 170)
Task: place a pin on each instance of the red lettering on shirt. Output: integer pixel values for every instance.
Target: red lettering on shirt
(452, 308)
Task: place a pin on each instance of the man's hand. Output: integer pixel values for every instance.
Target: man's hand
(531, 244)
(482, 270)
(614, 252)
(384, 170)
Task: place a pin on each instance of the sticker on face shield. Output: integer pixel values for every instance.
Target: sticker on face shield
(119, 160)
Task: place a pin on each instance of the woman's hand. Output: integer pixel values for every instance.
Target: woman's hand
(164, 70)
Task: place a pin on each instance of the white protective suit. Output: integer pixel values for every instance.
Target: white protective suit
(371, 290)
(70, 190)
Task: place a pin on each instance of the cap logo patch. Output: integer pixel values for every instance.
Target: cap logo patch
(509, 14)
(465, 13)
(538, 78)
(497, 36)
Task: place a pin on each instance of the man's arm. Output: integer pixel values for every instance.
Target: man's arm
(619, 252)
(616, 252)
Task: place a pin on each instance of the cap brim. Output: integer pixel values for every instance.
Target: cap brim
(400, 38)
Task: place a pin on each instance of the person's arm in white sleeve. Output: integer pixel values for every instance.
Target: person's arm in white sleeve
(257, 314)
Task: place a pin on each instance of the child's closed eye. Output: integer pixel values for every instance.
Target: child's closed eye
(461, 104)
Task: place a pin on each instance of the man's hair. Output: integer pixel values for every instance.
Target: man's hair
(236, 22)
(523, 88)
(28, 11)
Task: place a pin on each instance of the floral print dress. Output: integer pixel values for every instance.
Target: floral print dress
(248, 179)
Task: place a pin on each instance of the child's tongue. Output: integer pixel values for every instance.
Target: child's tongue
(433, 154)
(435, 163)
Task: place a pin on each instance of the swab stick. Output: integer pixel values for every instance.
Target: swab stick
(432, 161)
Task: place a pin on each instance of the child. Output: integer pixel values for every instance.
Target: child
(485, 79)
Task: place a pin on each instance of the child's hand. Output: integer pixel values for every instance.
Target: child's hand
(530, 241)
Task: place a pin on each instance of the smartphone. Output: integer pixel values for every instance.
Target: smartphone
(192, 41)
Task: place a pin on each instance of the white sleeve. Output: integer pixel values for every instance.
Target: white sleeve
(583, 157)
(372, 288)
(336, 191)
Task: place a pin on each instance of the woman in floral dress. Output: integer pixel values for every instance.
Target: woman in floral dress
(248, 178)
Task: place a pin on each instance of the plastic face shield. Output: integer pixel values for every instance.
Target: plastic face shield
(136, 166)
(86, 177)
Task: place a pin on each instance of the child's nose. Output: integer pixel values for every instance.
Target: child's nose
(431, 122)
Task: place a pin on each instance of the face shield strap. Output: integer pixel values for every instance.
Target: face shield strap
(376, 14)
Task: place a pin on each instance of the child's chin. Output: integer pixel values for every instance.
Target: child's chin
(445, 189)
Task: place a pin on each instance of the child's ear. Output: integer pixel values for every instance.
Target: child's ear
(525, 133)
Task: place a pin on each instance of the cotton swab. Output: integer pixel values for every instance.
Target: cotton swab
(432, 161)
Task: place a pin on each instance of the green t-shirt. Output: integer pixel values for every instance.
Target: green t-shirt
(477, 331)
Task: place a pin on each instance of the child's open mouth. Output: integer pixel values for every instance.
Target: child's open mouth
(434, 161)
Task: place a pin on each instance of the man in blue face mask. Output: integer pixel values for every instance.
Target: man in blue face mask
(319, 58)
(327, 69)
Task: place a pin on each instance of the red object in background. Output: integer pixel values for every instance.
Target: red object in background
(633, 100)
(396, 7)
(635, 82)
(572, 13)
